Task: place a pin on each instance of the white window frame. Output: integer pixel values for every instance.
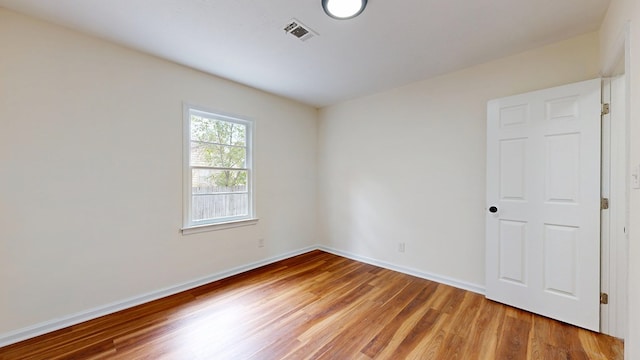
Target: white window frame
(190, 226)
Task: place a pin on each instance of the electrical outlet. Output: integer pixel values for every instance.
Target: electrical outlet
(401, 247)
(260, 243)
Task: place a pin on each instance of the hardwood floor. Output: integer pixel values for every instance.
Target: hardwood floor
(320, 306)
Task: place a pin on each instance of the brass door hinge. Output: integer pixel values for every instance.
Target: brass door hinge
(604, 298)
(604, 204)
(605, 109)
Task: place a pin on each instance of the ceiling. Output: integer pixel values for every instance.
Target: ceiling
(392, 43)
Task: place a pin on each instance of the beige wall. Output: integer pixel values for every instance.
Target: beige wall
(90, 174)
(408, 165)
(623, 13)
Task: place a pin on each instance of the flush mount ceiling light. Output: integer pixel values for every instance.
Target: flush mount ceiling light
(343, 9)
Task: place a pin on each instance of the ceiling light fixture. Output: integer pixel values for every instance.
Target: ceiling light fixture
(343, 9)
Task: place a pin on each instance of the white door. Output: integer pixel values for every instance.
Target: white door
(543, 202)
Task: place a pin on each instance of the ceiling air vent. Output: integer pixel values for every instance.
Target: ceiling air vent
(299, 30)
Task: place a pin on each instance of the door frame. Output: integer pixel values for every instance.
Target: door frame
(615, 222)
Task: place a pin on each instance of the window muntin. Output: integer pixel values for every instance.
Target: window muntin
(218, 173)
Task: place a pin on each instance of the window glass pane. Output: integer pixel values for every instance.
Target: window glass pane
(206, 207)
(206, 181)
(217, 131)
(205, 154)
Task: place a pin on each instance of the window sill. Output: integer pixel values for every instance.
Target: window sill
(218, 226)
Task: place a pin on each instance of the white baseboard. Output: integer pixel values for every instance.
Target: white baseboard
(74, 319)
(479, 289)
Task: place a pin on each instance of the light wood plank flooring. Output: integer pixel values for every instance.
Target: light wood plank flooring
(320, 306)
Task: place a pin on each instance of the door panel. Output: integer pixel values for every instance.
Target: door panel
(513, 251)
(512, 169)
(563, 168)
(543, 176)
(560, 265)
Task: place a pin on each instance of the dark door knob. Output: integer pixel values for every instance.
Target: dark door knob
(493, 209)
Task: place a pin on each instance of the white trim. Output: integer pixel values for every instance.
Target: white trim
(186, 156)
(615, 275)
(218, 226)
(605, 215)
(74, 319)
(478, 289)
(619, 200)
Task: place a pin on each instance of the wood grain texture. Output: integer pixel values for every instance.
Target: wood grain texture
(320, 306)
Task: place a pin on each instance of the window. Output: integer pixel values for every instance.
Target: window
(218, 170)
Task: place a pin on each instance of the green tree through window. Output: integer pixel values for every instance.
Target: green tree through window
(220, 144)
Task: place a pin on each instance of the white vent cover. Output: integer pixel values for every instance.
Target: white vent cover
(299, 30)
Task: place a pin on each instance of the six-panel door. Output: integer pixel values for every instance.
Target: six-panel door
(543, 176)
